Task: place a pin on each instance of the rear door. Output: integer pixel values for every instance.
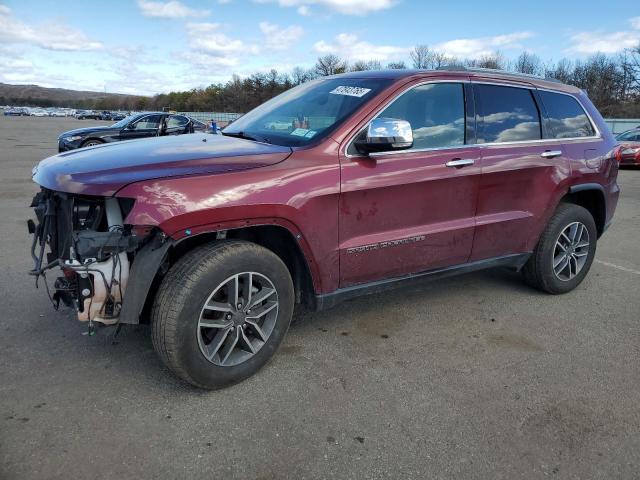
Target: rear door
(521, 169)
(410, 211)
(176, 125)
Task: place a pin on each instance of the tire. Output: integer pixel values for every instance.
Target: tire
(179, 307)
(91, 143)
(539, 270)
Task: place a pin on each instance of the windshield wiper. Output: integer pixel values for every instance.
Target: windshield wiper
(252, 137)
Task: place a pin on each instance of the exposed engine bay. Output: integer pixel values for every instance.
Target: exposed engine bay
(86, 237)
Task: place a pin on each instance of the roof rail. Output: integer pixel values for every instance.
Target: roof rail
(462, 68)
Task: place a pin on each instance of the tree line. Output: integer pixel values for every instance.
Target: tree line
(611, 81)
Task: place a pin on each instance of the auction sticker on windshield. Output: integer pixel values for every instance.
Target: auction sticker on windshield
(300, 132)
(350, 91)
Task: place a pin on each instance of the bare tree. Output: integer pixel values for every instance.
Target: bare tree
(300, 75)
(493, 60)
(439, 59)
(330, 65)
(528, 63)
(563, 71)
(420, 56)
(361, 65)
(396, 65)
(631, 65)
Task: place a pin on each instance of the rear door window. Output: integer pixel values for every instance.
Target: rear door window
(566, 116)
(148, 123)
(176, 121)
(507, 114)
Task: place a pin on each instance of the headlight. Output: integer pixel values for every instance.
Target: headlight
(72, 138)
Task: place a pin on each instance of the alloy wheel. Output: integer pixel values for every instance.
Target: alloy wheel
(237, 319)
(571, 251)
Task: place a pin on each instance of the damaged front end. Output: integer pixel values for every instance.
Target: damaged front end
(87, 238)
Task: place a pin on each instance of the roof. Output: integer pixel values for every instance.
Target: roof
(464, 72)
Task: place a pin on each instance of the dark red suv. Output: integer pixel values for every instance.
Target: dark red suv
(343, 186)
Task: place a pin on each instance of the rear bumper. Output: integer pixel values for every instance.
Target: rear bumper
(630, 162)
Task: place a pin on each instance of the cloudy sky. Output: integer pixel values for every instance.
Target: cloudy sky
(151, 46)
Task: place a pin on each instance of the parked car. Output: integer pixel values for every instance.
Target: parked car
(57, 113)
(199, 126)
(106, 115)
(118, 116)
(38, 112)
(628, 153)
(383, 179)
(15, 112)
(142, 125)
(87, 114)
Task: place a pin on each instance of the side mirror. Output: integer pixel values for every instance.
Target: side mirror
(386, 134)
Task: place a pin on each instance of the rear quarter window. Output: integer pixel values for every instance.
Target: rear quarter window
(567, 118)
(507, 114)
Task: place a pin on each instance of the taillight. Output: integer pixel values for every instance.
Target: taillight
(618, 154)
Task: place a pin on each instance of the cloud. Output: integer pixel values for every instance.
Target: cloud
(477, 47)
(208, 39)
(345, 7)
(279, 38)
(171, 9)
(351, 47)
(50, 36)
(587, 43)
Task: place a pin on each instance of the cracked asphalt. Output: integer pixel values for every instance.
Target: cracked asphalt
(474, 377)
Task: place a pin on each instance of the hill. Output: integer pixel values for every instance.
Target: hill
(34, 95)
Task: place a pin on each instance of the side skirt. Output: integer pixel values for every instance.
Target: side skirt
(328, 300)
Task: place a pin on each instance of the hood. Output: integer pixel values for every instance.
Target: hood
(104, 169)
(87, 130)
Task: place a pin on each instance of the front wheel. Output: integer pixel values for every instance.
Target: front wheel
(221, 313)
(565, 251)
(91, 143)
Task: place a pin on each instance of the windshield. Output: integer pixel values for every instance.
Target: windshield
(307, 112)
(125, 121)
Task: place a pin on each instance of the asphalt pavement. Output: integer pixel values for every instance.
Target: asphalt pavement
(475, 377)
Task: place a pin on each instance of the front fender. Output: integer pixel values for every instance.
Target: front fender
(143, 270)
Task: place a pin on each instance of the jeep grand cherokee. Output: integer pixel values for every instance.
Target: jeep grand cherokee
(342, 186)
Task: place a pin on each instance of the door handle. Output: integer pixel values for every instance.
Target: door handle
(459, 162)
(551, 153)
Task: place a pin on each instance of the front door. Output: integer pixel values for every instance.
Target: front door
(147, 126)
(411, 211)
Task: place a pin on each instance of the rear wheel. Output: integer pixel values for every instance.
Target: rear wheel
(565, 251)
(221, 313)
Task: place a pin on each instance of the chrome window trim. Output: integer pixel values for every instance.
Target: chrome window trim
(417, 150)
(597, 136)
